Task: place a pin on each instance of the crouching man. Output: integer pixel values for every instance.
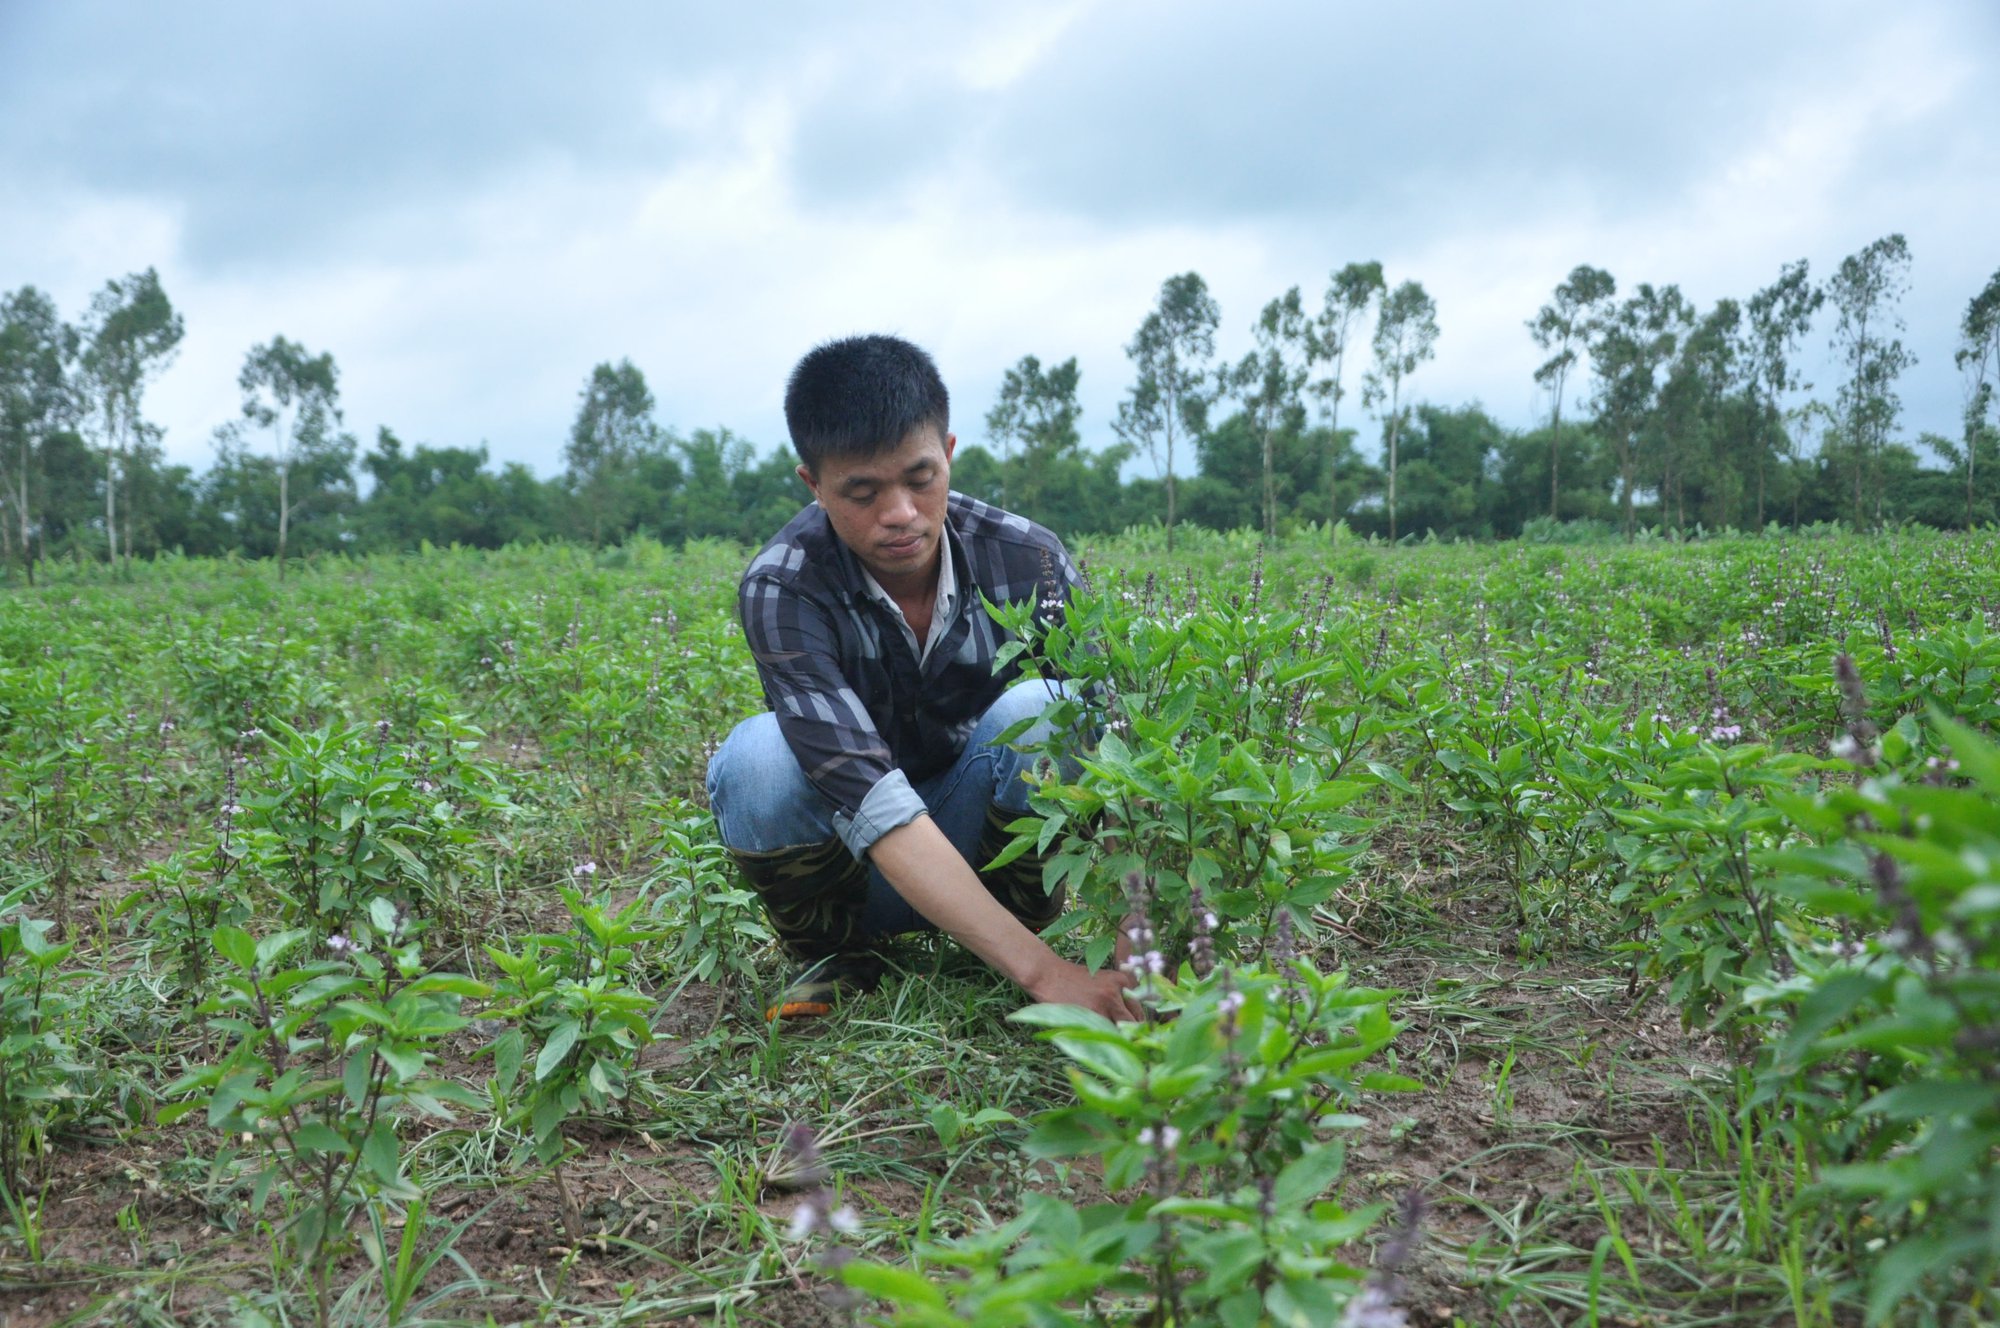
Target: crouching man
(861, 804)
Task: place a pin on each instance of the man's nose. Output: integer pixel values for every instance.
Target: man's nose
(899, 508)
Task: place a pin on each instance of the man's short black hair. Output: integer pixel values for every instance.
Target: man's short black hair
(860, 396)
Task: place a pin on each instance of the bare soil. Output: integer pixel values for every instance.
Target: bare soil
(134, 1227)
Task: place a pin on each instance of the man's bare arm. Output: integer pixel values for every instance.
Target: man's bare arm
(932, 878)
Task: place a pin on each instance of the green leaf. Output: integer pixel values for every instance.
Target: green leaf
(449, 984)
(1241, 1309)
(1977, 757)
(237, 946)
(1105, 1053)
(1015, 848)
(1063, 1016)
(1309, 1176)
(319, 1137)
(1301, 1302)
(273, 947)
(1901, 1267)
(405, 1063)
(898, 1286)
(508, 1050)
(1097, 949)
(547, 1118)
(561, 1039)
(948, 1122)
(356, 1074)
(1061, 1136)
(172, 1112)
(380, 1154)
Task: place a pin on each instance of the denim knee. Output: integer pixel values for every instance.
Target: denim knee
(761, 798)
(1024, 700)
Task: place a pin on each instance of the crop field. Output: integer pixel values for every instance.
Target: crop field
(1548, 934)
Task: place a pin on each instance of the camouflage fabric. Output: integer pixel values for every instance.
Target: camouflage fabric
(813, 896)
(1017, 885)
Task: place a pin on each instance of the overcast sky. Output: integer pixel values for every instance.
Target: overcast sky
(469, 205)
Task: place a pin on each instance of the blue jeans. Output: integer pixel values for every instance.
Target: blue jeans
(764, 805)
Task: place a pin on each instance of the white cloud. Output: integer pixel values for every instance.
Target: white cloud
(1013, 42)
(710, 241)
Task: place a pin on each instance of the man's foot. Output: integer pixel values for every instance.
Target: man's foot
(819, 985)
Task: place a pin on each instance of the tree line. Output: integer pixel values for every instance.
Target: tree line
(1660, 414)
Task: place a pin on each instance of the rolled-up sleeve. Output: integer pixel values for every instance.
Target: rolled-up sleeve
(829, 730)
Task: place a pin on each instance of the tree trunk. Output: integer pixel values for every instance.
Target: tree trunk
(1170, 476)
(1762, 457)
(1555, 456)
(125, 473)
(110, 506)
(1270, 493)
(1395, 427)
(1625, 478)
(284, 514)
(1881, 445)
(27, 547)
(1333, 453)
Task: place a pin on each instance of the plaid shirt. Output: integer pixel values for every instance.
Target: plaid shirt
(865, 718)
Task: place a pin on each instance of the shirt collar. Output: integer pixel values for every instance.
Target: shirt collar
(944, 608)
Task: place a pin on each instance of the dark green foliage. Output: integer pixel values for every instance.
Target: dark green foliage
(1215, 1131)
(1431, 759)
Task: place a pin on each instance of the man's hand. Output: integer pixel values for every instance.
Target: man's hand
(928, 873)
(1104, 991)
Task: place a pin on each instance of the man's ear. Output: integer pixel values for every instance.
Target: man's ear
(804, 473)
(950, 445)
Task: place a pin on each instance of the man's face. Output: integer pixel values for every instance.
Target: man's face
(889, 509)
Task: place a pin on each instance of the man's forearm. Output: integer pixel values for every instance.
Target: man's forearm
(933, 879)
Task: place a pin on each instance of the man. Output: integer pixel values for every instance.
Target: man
(861, 804)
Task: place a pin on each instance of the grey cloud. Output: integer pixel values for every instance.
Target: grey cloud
(1437, 113)
(290, 138)
(276, 127)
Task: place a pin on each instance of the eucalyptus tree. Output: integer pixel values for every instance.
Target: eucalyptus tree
(1978, 358)
(614, 429)
(1405, 336)
(1562, 327)
(36, 398)
(1170, 396)
(715, 460)
(292, 393)
(1349, 292)
(1629, 346)
(130, 334)
(1865, 290)
(1776, 319)
(1813, 423)
(1268, 381)
(1037, 411)
(1703, 429)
